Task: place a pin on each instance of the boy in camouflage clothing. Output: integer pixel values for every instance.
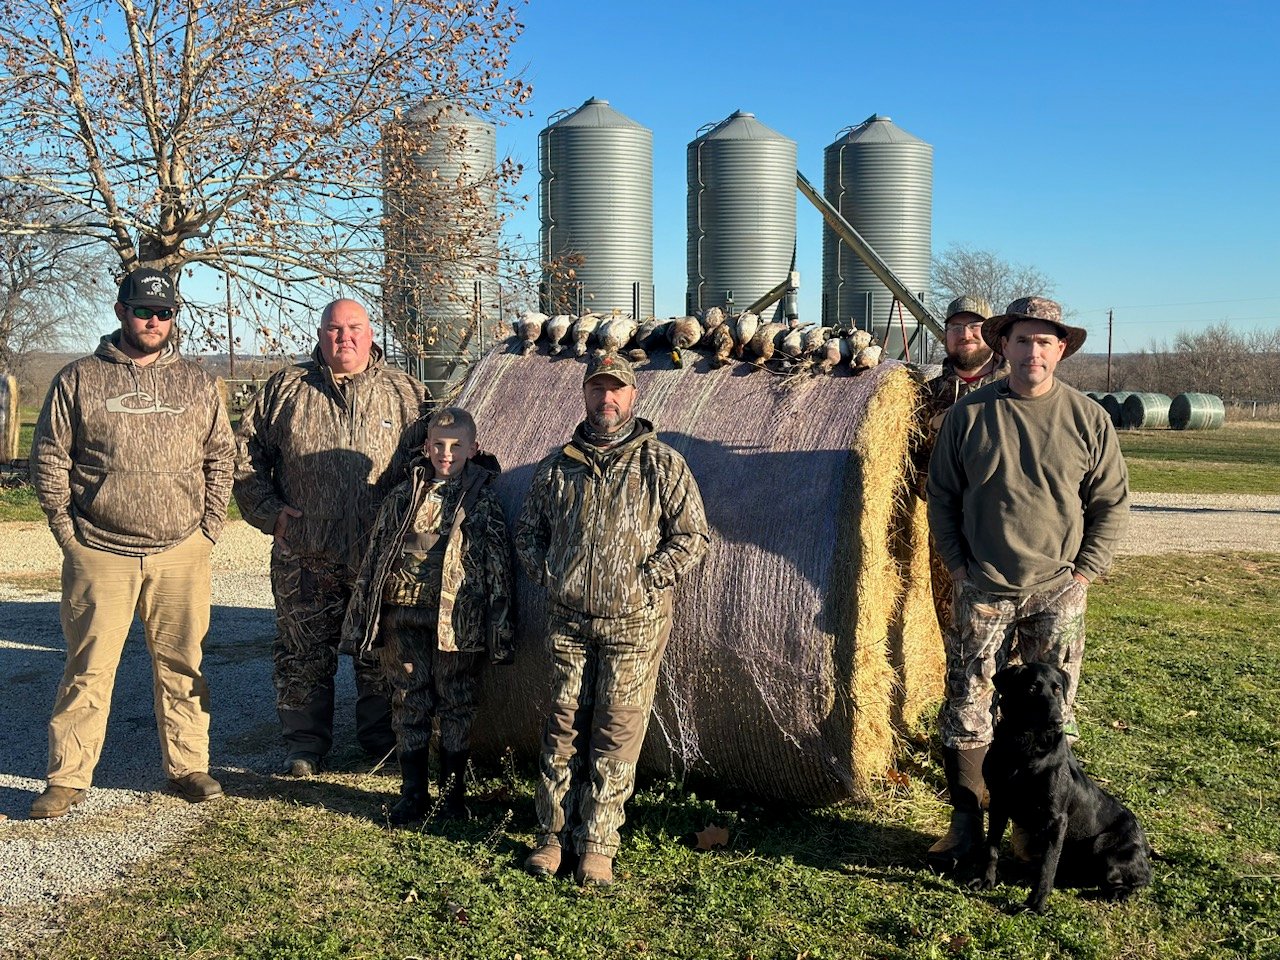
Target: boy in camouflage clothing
(433, 595)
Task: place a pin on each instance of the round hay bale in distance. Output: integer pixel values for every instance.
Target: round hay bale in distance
(1197, 411)
(1145, 411)
(1112, 403)
(807, 634)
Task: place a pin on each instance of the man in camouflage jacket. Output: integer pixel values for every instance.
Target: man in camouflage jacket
(316, 452)
(612, 521)
(434, 595)
(131, 461)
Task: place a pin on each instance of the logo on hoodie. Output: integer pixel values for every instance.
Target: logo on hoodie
(139, 401)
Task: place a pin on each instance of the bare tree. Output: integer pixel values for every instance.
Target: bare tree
(961, 270)
(244, 136)
(47, 281)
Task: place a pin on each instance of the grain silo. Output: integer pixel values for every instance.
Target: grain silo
(880, 178)
(440, 227)
(741, 213)
(595, 203)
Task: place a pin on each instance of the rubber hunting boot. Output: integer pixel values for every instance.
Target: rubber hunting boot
(594, 870)
(545, 861)
(453, 784)
(966, 788)
(415, 794)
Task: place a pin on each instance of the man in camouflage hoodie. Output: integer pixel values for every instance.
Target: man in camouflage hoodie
(433, 595)
(316, 459)
(612, 521)
(131, 461)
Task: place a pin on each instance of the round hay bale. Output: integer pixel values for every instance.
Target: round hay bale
(808, 632)
(1197, 411)
(10, 422)
(1112, 403)
(1145, 411)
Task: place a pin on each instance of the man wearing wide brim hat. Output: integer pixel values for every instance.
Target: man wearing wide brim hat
(1033, 308)
(1028, 496)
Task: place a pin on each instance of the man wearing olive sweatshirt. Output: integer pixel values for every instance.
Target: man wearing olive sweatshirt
(1028, 496)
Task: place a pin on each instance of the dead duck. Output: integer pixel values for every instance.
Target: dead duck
(616, 332)
(555, 330)
(584, 328)
(744, 328)
(530, 328)
(765, 341)
(721, 338)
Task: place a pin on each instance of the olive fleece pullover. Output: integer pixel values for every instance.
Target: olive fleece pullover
(1024, 491)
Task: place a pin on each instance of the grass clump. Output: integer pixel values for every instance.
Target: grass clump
(1179, 704)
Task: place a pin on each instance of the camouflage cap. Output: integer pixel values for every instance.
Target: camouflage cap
(145, 287)
(969, 304)
(610, 365)
(1033, 308)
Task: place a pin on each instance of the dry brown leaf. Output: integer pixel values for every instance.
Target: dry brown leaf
(957, 943)
(898, 778)
(1119, 725)
(713, 836)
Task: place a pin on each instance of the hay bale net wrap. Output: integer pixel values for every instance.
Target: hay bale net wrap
(1197, 411)
(1145, 411)
(808, 630)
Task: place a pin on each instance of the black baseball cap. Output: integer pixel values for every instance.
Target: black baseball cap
(145, 287)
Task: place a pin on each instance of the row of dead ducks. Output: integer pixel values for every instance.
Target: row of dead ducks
(745, 337)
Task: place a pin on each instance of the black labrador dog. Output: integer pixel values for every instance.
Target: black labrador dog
(1079, 835)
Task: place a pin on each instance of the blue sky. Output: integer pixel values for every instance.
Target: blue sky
(1128, 150)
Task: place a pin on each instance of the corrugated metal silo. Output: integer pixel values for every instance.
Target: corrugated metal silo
(596, 207)
(880, 178)
(741, 213)
(440, 226)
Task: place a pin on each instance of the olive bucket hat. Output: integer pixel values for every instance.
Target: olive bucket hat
(1033, 308)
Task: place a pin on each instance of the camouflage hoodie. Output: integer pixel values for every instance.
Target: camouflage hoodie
(132, 459)
(605, 530)
(326, 450)
(475, 588)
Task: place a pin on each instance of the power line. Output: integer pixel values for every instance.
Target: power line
(1184, 303)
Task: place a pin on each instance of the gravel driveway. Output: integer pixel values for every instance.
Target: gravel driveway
(129, 817)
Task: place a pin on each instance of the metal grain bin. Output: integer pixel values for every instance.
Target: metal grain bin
(741, 214)
(1113, 404)
(441, 229)
(1145, 411)
(880, 178)
(1197, 411)
(595, 201)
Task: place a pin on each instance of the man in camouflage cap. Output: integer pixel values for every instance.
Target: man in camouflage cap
(316, 460)
(1028, 496)
(131, 461)
(612, 521)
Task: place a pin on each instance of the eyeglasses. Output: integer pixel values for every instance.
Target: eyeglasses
(971, 325)
(146, 313)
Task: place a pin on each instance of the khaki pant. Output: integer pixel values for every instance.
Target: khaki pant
(605, 676)
(101, 592)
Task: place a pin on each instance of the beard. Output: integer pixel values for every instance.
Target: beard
(970, 357)
(150, 345)
(608, 418)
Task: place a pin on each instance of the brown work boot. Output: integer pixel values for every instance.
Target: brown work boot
(594, 870)
(197, 787)
(545, 861)
(56, 802)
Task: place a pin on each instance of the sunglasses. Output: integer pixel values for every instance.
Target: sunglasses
(146, 313)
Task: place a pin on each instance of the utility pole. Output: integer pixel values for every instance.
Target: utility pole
(231, 339)
(1109, 319)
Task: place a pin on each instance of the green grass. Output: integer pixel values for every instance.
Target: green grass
(1179, 706)
(1239, 458)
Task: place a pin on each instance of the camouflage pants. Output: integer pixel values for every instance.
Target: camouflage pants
(988, 633)
(311, 599)
(438, 684)
(605, 675)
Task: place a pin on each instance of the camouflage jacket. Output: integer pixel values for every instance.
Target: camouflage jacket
(132, 459)
(327, 450)
(475, 590)
(604, 530)
(942, 392)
